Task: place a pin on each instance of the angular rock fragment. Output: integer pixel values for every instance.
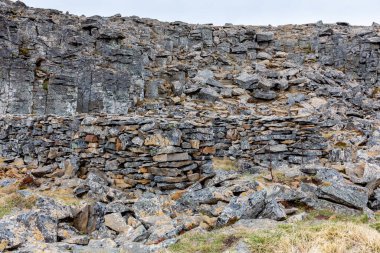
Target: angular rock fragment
(264, 36)
(350, 195)
(208, 94)
(265, 95)
(247, 81)
(243, 207)
(171, 157)
(116, 222)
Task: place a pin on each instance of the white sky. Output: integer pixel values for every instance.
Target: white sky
(254, 12)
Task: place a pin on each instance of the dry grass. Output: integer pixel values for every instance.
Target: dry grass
(306, 237)
(10, 200)
(65, 196)
(224, 164)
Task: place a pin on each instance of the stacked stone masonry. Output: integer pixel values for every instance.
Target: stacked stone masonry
(155, 153)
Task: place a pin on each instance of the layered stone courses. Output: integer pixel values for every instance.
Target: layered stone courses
(155, 153)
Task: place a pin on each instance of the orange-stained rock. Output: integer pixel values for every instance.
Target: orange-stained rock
(209, 150)
(177, 195)
(195, 144)
(91, 138)
(119, 145)
(157, 140)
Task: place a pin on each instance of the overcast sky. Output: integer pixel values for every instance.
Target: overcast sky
(254, 12)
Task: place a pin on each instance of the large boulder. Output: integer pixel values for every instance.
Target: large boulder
(346, 194)
(273, 210)
(243, 207)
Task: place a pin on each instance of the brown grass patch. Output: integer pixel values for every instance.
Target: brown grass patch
(11, 201)
(321, 237)
(65, 196)
(224, 164)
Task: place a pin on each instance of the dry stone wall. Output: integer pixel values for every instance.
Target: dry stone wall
(155, 153)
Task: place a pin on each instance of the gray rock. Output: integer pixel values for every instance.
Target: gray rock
(273, 210)
(141, 248)
(221, 176)
(321, 204)
(147, 205)
(278, 148)
(265, 95)
(264, 36)
(116, 222)
(350, 195)
(78, 240)
(12, 233)
(46, 224)
(171, 157)
(151, 89)
(43, 170)
(246, 207)
(209, 195)
(53, 208)
(247, 81)
(255, 224)
(178, 88)
(374, 40)
(107, 243)
(265, 84)
(329, 175)
(208, 94)
(137, 235)
(204, 75)
(263, 56)
(7, 182)
(241, 247)
(295, 98)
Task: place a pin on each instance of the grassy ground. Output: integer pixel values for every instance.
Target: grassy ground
(320, 233)
(10, 200)
(224, 164)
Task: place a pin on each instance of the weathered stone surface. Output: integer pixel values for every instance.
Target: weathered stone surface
(89, 218)
(171, 157)
(210, 195)
(351, 195)
(246, 207)
(116, 222)
(247, 81)
(44, 170)
(263, 102)
(266, 95)
(273, 211)
(54, 209)
(264, 36)
(209, 94)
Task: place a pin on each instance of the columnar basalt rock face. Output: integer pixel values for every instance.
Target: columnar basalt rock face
(64, 64)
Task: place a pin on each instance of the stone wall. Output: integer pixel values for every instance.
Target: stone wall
(155, 152)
